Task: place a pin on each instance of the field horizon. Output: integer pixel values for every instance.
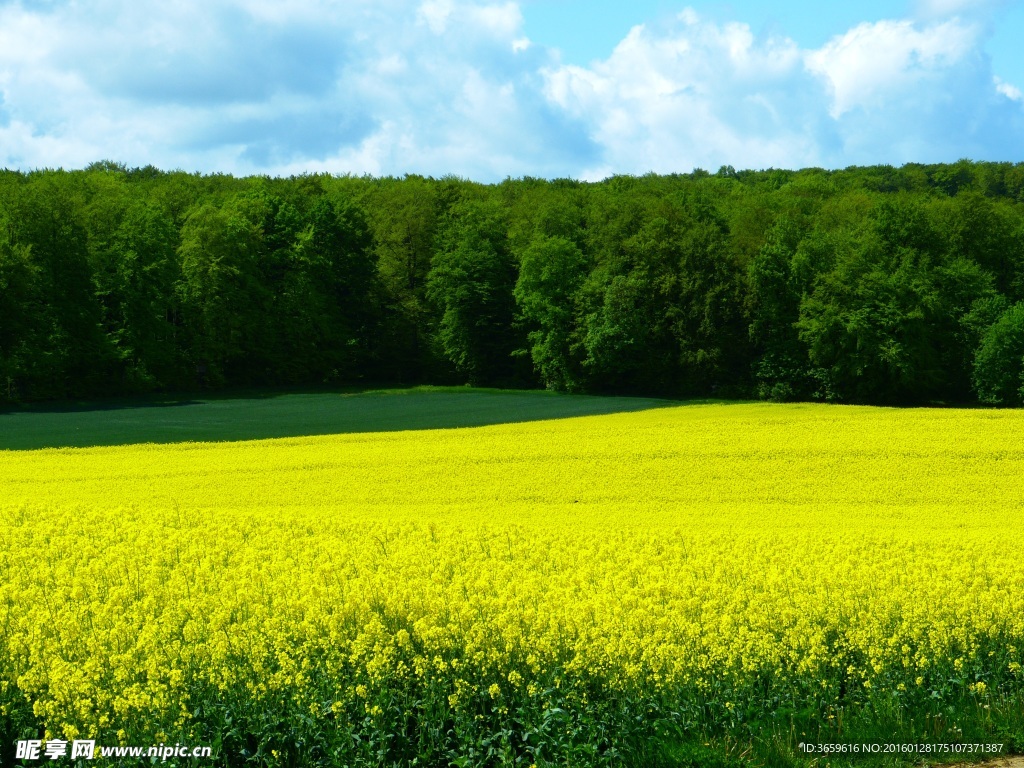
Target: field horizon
(253, 414)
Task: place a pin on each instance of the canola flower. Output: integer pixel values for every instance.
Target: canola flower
(724, 559)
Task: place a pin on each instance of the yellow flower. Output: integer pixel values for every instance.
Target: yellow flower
(669, 549)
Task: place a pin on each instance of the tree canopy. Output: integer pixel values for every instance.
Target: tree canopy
(863, 285)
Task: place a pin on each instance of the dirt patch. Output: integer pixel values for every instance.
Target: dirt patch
(1002, 762)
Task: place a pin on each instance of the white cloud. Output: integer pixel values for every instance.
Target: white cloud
(268, 86)
(501, 20)
(1008, 90)
(871, 63)
(700, 94)
(694, 95)
(435, 14)
(455, 86)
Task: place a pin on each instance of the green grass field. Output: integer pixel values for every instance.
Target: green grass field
(172, 419)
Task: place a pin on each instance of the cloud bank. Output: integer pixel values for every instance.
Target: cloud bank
(455, 86)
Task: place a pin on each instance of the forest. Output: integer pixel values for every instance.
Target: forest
(874, 284)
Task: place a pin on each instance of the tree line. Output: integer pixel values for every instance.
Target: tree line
(864, 285)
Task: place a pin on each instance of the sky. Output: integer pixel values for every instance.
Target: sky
(489, 89)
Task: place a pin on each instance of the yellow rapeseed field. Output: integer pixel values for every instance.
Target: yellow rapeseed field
(722, 554)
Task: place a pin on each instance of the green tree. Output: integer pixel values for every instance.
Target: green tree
(707, 315)
(551, 271)
(999, 361)
(781, 365)
(273, 341)
(137, 275)
(471, 283)
(220, 291)
(71, 353)
(662, 311)
(332, 292)
(19, 308)
(403, 220)
(869, 322)
(622, 332)
(983, 231)
(626, 308)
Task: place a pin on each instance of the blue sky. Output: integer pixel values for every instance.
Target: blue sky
(810, 25)
(487, 89)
